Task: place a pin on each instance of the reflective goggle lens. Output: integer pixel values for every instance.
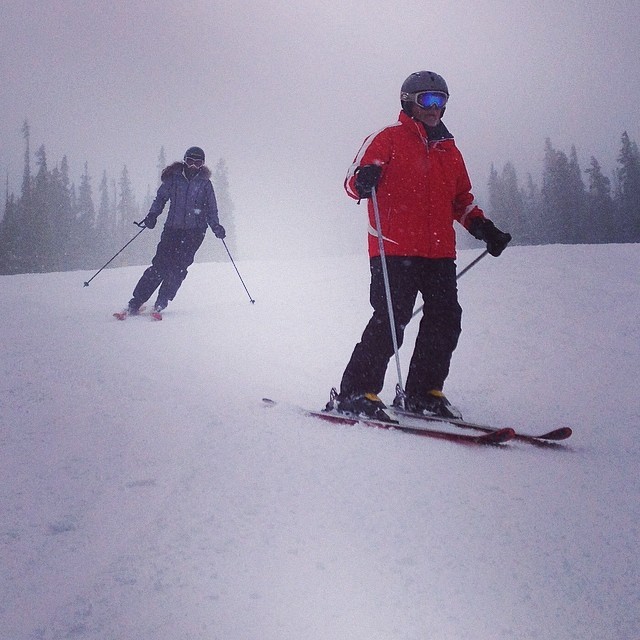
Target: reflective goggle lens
(428, 99)
(193, 162)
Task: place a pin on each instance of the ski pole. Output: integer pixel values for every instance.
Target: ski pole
(387, 291)
(86, 284)
(472, 264)
(459, 275)
(236, 268)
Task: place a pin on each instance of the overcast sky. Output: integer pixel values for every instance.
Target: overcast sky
(286, 92)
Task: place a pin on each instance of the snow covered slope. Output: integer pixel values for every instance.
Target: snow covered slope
(146, 493)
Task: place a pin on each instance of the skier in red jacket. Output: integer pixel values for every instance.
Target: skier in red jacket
(421, 186)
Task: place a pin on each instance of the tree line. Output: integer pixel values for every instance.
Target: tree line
(573, 206)
(54, 226)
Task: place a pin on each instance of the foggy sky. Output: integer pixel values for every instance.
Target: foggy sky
(286, 94)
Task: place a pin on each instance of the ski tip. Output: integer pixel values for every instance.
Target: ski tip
(268, 401)
(558, 434)
(120, 315)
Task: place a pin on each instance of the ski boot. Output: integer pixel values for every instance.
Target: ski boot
(160, 305)
(158, 308)
(432, 403)
(359, 405)
(134, 308)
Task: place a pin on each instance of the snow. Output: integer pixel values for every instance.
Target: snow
(145, 491)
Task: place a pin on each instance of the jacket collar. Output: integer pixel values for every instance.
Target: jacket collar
(178, 168)
(431, 134)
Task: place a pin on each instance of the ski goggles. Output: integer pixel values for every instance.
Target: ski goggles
(193, 162)
(427, 99)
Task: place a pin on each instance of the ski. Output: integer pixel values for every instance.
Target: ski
(494, 437)
(562, 433)
(124, 314)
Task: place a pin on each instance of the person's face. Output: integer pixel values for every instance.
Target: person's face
(429, 116)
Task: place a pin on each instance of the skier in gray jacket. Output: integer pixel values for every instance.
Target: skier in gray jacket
(192, 208)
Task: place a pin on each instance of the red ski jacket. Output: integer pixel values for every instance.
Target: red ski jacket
(423, 188)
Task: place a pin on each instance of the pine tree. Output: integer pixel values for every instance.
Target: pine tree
(60, 218)
(9, 236)
(85, 237)
(507, 203)
(127, 214)
(628, 192)
(104, 223)
(495, 189)
(36, 219)
(26, 176)
(600, 209)
(20, 233)
(532, 202)
(578, 231)
(558, 196)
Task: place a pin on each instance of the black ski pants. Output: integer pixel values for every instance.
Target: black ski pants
(174, 255)
(438, 334)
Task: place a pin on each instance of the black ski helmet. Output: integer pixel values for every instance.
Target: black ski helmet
(421, 81)
(194, 152)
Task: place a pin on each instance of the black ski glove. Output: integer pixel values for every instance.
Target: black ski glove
(483, 229)
(367, 178)
(218, 231)
(149, 222)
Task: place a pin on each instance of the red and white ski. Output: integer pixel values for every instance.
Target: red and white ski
(495, 437)
(561, 433)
